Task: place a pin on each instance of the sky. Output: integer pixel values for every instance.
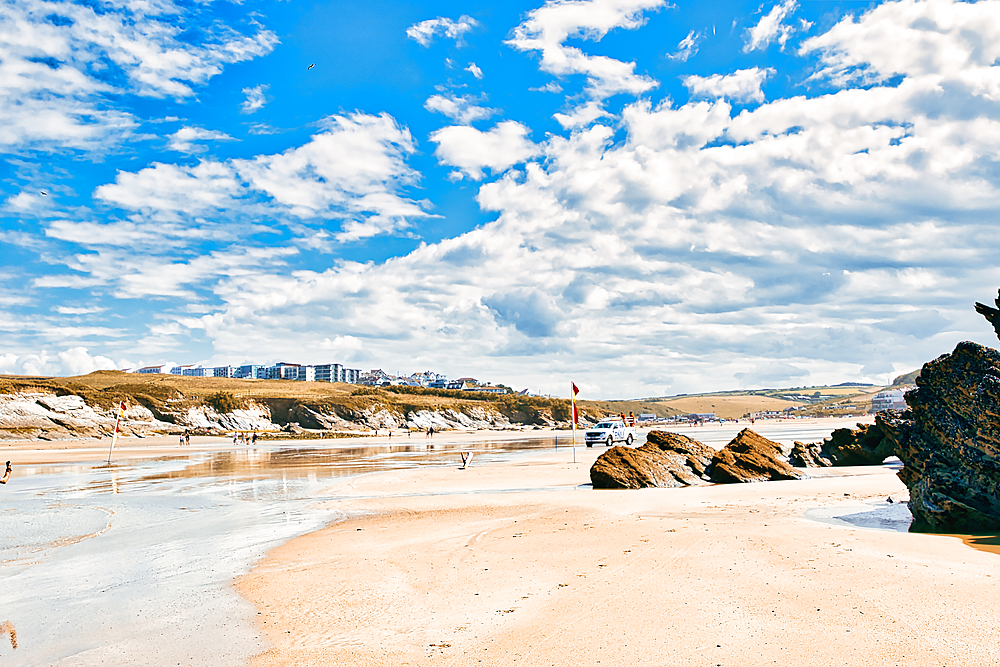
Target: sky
(641, 197)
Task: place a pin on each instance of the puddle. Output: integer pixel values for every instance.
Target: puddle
(879, 515)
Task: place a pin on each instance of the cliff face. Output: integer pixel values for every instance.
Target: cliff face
(949, 441)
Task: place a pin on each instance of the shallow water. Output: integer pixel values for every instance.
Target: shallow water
(132, 564)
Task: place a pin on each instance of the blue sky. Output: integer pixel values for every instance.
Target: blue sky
(647, 198)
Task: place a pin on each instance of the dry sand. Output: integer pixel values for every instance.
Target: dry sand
(519, 563)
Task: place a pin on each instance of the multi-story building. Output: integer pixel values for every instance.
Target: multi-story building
(282, 371)
(250, 371)
(162, 368)
(224, 371)
(888, 400)
(306, 374)
(198, 372)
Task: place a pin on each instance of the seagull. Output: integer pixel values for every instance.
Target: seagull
(44, 193)
(310, 67)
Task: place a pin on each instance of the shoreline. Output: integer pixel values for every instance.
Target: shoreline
(520, 562)
(133, 447)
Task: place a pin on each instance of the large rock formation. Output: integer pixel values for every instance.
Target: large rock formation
(949, 441)
(665, 460)
(750, 457)
(670, 459)
(864, 446)
(992, 315)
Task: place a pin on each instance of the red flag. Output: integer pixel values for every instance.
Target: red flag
(576, 414)
(576, 390)
(121, 409)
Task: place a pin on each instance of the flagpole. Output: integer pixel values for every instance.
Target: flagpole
(572, 394)
(114, 437)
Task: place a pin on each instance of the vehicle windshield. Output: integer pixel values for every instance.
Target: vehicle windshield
(605, 425)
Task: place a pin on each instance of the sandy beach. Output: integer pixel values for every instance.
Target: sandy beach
(522, 563)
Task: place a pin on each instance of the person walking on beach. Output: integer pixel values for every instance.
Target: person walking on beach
(253, 440)
(6, 475)
(187, 438)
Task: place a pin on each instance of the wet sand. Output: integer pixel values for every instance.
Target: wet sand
(520, 563)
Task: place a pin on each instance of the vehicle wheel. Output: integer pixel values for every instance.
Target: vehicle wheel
(628, 440)
(590, 444)
(609, 442)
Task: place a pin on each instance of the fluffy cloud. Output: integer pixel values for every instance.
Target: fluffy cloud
(771, 27)
(423, 33)
(741, 86)
(474, 70)
(255, 100)
(62, 62)
(185, 139)
(461, 109)
(548, 28)
(352, 171)
(472, 151)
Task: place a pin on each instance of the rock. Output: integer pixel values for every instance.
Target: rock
(949, 441)
(750, 457)
(865, 445)
(808, 455)
(665, 460)
(992, 315)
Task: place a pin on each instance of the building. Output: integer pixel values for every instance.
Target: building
(198, 372)
(888, 400)
(282, 371)
(224, 371)
(250, 372)
(306, 374)
(145, 370)
(327, 372)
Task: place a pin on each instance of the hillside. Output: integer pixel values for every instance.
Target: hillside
(39, 407)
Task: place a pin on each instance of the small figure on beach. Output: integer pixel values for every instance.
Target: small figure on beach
(180, 440)
(253, 440)
(6, 475)
(187, 438)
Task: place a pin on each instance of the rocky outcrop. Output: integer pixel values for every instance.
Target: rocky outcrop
(809, 455)
(43, 416)
(949, 441)
(750, 457)
(665, 460)
(865, 445)
(670, 459)
(992, 315)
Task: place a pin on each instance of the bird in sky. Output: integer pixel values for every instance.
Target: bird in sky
(44, 193)
(311, 66)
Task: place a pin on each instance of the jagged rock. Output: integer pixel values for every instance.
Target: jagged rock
(665, 460)
(750, 457)
(808, 455)
(991, 314)
(949, 441)
(864, 446)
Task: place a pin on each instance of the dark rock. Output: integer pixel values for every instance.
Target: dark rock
(991, 314)
(809, 455)
(750, 457)
(949, 441)
(865, 445)
(665, 460)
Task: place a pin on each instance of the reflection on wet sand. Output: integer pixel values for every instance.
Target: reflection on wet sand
(334, 461)
(7, 628)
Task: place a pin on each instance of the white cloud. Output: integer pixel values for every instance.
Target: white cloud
(352, 171)
(78, 361)
(256, 98)
(957, 41)
(687, 47)
(471, 151)
(771, 27)
(474, 70)
(462, 109)
(55, 58)
(184, 140)
(741, 86)
(548, 28)
(423, 33)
